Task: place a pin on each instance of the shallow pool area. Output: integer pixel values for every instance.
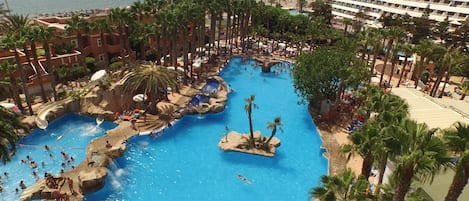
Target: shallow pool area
(69, 134)
(185, 162)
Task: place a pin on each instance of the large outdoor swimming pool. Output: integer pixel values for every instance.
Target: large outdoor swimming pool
(185, 163)
(70, 134)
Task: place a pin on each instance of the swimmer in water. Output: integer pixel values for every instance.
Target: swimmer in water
(242, 178)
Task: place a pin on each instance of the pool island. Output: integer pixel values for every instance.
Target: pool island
(235, 141)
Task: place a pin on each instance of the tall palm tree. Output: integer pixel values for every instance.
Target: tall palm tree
(76, 25)
(422, 154)
(152, 80)
(102, 26)
(46, 35)
(364, 142)
(9, 67)
(341, 187)
(248, 107)
(277, 124)
(457, 139)
(452, 59)
(393, 36)
(121, 18)
(376, 35)
(15, 39)
(8, 135)
(32, 34)
(408, 50)
(347, 22)
(425, 50)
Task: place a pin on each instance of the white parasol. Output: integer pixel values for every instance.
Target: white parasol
(140, 98)
(98, 75)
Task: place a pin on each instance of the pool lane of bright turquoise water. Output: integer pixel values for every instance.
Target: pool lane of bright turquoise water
(76, 131)
(185, 163)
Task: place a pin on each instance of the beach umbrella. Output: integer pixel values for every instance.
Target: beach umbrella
(98, 75)
(140, 98)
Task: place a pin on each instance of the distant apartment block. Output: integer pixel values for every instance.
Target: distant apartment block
(456, 10)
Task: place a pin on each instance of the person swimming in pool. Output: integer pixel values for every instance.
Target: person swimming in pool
(244, 179)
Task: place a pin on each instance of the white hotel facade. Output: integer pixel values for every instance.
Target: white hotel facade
(456, 10)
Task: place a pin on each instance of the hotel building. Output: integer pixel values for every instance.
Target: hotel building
(456, 10)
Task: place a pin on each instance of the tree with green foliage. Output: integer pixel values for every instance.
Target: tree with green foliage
(321, 75)
(422, 154)
(275, 125)
(441, 31)
(151, 80)
(248, 107)
(9, 67)
(322, 9)
(423, 27)
(8, 134)
(457, 140)
(341, 187)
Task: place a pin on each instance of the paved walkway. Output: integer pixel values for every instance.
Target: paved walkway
(435, 112)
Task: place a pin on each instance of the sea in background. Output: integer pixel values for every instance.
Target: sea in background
(36, 7)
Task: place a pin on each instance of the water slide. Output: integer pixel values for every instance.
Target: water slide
(41, 118)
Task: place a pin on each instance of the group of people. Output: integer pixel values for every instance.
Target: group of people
(56, 185)
(67, 161)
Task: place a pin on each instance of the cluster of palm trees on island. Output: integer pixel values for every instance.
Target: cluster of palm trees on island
(337, 60)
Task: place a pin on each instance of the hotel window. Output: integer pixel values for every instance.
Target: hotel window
(101, 58)
(74, 43)
(100, 43)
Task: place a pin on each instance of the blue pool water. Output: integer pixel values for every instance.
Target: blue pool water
(185, 163)
(295, 12)
(76, 131)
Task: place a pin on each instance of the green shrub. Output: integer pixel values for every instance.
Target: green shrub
(40, 52)
(116, 65)
(90, 63)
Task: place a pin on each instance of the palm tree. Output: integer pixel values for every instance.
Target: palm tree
(421, 155)
(452, 59)
(9, 67)
(46, 35)
(393, 36)
(15, 39)
(273, 125)
(32, 34)
(8, 135)
(152, 80)
(102, 26)
(248, 107)
(408, 50)
(120, 18)
(364, 142)
(139, 36)
(346, 22)
(375, 37)
(76, 25)
(341, 187)
(457, 139)
(425, 50)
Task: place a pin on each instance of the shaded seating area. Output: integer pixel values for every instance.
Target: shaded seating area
(211, 87)
(198, 99)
